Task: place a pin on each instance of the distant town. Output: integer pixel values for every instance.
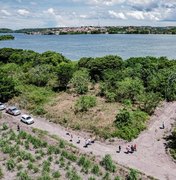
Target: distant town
(94, 30)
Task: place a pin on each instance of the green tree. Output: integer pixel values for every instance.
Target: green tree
(64, 74)
(80, 81)
(7, 87)
(148, 101)
(129, 89)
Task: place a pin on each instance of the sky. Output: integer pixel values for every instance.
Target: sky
(17, 14)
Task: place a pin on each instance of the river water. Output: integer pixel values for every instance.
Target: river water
(76, 46)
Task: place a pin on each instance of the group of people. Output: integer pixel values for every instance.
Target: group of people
(87, 141)
(129, 149)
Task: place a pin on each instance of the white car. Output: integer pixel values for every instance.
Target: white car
(13, 111)
(27, 119)
(2, 106)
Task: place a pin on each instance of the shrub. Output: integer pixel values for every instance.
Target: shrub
(46, 166)
(61, 144)
(56, 174)
(108, 164)
(95, 170)
(23, 176)
(1, 173)
(10, 164)
(72, 175)
(130, 123)
(84, 103)
(4, 126)
(133, 175)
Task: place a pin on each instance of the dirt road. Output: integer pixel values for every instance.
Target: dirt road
(150, 157)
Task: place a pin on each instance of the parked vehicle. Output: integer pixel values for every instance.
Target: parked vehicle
(13, 111)
(2, 106)
(27, 119)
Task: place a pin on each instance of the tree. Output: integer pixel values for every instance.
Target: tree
(148, 101)
(129, 89)
(80, 81)
(41, 75)
(7, 87)
(53, 58)
(64, 74)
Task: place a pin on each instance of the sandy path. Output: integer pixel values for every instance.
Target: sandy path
(150, 157)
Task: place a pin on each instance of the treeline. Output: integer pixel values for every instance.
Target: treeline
(6, 37)
(137, 83)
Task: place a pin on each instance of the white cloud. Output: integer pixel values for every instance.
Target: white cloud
(50, 11)
(5, 12)
(117, 15)
(140, 15)
(23, 12)
(101, 2)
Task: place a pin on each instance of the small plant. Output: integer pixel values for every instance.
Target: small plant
(72, 175)
(133, 175)
(95, 170)
(50, 158)
(117, 178)
(108, 164)
(23, 176)
(4, 126)
(106, 176)
(46, 166)
(1, 173)
(30, 165)
(62, 144)
(10, 164)
(19, 167)
(91, 178)
(56, 174)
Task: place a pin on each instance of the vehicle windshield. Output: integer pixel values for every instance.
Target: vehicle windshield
(14, 109)
(28, 118)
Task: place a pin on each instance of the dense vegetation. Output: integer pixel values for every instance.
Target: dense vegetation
(35, 154)
(138, 84)
(6, 37)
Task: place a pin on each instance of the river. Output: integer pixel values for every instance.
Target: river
(76, 46)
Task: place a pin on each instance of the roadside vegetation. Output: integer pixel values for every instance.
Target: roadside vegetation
(6, 37)
(171, 143)
(108, 96)
(34, 154)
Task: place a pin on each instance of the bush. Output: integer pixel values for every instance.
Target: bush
(23, 176)
(10, 164)
(84, 103)
(1, 173)
(108, 164)
(95, 170)
(130, 123)
(133, 175)
(56, 174)
(4, 126)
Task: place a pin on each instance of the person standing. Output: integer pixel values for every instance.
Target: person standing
(18, 127)
(163, 126)
(119, 149)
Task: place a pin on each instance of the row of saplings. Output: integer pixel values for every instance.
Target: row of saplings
(18, 147)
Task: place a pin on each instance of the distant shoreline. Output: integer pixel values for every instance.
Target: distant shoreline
(95, 30)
